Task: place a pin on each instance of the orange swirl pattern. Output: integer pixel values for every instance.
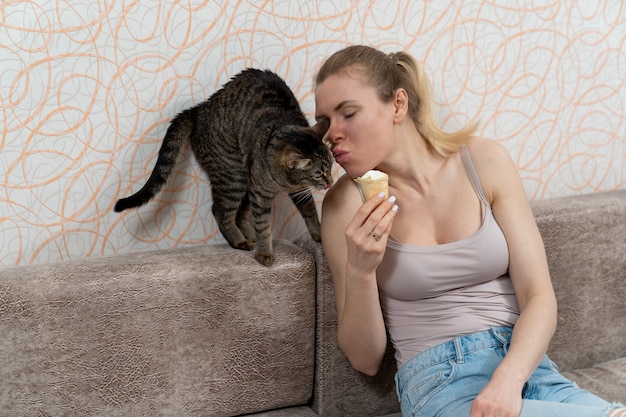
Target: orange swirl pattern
(87, 90)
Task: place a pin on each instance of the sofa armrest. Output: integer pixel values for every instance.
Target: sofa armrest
(192, 331)
(340, 391)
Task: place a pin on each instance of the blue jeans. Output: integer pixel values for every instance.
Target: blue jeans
(444, 380)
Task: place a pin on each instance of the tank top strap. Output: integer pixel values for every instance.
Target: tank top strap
(472, 175)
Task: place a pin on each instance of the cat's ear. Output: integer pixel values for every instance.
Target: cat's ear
(321, 127)
(294, 160)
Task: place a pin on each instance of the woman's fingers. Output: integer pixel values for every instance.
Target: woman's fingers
(374, 219)
(368, 231)
(381, 219)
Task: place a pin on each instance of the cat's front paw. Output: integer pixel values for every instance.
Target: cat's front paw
(266, 259)
(317, 236)
(244, 245)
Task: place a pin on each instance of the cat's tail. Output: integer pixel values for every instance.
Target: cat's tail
(177, 133)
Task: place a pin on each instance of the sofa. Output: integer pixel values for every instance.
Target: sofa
(207, 331)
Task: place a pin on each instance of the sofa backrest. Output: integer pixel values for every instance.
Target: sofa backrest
(201, 331)
(585, 240)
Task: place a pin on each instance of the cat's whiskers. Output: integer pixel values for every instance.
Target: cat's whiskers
(303, 195)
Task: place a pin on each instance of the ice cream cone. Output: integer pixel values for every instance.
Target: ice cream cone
(371, 183)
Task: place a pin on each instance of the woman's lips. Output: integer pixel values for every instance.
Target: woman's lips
(340, 156)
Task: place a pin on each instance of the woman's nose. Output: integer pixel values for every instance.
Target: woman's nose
(333, 134)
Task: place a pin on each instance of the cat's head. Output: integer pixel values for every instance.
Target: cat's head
(305, 160)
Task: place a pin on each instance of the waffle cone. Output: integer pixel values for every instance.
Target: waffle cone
(371, 187)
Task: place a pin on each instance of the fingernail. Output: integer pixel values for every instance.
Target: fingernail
(392, 199)
(381, 194)
(394, 208)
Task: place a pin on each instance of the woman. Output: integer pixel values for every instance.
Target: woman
(455, 272)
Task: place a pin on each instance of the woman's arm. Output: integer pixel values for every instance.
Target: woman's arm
(530, 276)
(353, 255)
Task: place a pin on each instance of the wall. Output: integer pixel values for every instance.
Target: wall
(87, 89)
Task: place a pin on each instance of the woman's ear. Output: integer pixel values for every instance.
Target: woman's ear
(400, 104)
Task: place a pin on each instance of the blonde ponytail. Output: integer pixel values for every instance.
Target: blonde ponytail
(444, 143)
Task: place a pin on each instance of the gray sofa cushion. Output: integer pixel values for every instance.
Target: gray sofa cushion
(608, 379)
(196, 331)
(286, 412)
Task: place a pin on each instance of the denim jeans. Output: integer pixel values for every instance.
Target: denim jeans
(444, 380)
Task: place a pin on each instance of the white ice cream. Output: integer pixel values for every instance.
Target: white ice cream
(373, 175)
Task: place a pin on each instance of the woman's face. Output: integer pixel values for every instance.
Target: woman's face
(361, 125)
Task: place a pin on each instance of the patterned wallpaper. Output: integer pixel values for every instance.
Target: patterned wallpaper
(87, 89)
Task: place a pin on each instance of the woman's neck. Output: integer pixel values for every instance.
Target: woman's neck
(414, 163)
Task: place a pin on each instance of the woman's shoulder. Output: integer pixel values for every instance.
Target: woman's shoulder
(344, 188)
(486, 149)
(493, 163)
(343, 196)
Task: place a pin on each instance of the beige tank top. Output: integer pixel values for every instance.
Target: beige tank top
(431, 294)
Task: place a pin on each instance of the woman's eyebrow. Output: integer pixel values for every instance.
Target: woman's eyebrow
(343, 104)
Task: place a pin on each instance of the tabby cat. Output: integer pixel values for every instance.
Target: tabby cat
(254, 142)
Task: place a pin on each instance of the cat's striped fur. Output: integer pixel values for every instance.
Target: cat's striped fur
(254, 142)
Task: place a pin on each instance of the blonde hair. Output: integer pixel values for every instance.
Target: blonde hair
(388, 73)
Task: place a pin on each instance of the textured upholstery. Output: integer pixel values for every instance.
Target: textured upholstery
(606, 379)
(286, 412)
(585, 239)
(201, 331)
(340, 391)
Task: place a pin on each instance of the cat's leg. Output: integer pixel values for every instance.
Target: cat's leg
(226, 206)
(262, 219)
(244, 220)
(303, 200)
